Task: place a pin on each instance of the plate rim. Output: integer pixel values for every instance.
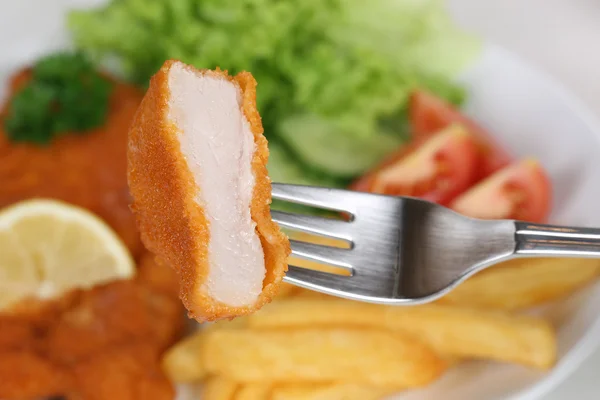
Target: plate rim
(589, 342)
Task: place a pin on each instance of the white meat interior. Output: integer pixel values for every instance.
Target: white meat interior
(216, 140)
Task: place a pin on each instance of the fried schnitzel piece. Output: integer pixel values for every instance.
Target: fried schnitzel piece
(114, 314)
(25, 375)
(157, 276)
(197, 172)
(24, 325)
(129, 372)
(15, 333)
(161, 294)
(166, 315)
(41, 313)
(86, 170)
(112, 334)
(106, 315)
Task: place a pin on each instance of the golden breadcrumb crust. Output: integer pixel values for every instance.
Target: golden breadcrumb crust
(172, 224)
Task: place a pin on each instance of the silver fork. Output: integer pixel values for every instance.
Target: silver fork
(405, 251)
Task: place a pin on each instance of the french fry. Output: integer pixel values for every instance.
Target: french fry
(523, 283)
(236, 323)
(218, 388)
(294, 291)
(452, 361)
(286, 290)
(451, 330)
(370, 357)
(312, 294)
(316, 239)
(253, 391)
(308, 264)
(181, 362)
(323, 241)
(340, 391)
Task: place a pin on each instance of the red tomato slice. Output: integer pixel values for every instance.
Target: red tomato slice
(429, 114)
(520, 191)
(437, 170)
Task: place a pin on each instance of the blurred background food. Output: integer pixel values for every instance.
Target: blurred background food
(63, 136)
(78, 319)
(49, 247)
(331, 75)
(352, 93)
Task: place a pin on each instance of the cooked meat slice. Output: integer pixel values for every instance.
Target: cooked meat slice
(197, 172)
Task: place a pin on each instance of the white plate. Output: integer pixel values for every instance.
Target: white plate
(526, 110)
(530, 114)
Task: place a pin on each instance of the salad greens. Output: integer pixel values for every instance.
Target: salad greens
(334, 75)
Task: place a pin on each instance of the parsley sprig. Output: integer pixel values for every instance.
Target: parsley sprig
(65, 94)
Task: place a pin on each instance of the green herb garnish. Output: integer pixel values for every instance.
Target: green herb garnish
(65, 94)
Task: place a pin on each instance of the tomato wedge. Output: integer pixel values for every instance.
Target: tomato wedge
(429, 114)
(520, 191)
(437, 170)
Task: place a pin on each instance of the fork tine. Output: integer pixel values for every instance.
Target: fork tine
(334, 256)
(316, 280)
(320, 197)
(328, 227)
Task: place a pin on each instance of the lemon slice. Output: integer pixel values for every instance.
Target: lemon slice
(48, 247)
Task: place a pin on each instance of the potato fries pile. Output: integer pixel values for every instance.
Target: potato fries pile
(308, 346)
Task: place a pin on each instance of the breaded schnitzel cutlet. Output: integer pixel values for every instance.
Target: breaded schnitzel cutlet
(101, 343)
(88, 170)
(197, 172)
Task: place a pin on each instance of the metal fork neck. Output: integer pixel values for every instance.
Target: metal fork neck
(535, 240)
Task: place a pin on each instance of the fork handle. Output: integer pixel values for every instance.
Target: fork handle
(537, 240)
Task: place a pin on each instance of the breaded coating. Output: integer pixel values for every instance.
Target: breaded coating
(15, 333)
(173, 225)
(87, 170)
(25, 375)
(109, 337)
(123, 373)
(110, 315)
(171, 314)
(42, 313)
(24, 325)
(157, 276)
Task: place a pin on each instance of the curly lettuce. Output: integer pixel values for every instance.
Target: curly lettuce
(334, 75)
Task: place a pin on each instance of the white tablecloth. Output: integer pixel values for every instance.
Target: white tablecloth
(563, 38)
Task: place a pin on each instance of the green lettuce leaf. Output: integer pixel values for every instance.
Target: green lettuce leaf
(334, 75)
